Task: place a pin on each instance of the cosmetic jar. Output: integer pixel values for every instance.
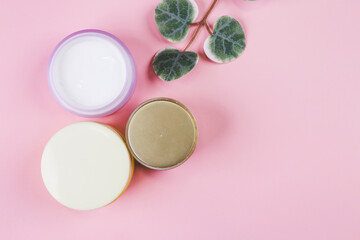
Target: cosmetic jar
(161, 133)
(91, 73)
(86, 165)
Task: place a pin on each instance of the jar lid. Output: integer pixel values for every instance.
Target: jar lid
(86, 165)
(91, 73)
(161, 133)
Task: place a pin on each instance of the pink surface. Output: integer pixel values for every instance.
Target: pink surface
(279, 129)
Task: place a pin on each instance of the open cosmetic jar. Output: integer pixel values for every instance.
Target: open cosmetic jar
(91, 73)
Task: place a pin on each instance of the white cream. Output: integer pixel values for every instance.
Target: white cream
(89, 70)
(86, 165)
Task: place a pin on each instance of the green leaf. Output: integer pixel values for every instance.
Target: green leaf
(173, 18)
(170, 64)
(227, 41)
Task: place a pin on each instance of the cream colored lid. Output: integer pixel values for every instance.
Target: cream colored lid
(86, 165)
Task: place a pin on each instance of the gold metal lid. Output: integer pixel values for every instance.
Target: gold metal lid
(161, 133)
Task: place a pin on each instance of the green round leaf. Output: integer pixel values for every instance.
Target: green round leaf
(173, 18)
(227, 41)
(170, 64)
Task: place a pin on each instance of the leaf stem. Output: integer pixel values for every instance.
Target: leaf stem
(193, 37)
(209, 11)
(200, 25)
(208, 28)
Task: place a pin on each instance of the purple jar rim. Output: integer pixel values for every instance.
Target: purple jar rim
(112, 106)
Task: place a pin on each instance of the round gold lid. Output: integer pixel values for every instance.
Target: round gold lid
(161, 133)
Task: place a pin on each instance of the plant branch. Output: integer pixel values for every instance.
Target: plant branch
(209, 11)
(208, 28)
(200, 25)
(193, 37)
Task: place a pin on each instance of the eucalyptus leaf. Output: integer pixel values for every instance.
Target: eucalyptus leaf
(226, 42)
(173, 18)
(170, 64)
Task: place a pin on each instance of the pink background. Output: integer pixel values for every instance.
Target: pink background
(278, 155)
